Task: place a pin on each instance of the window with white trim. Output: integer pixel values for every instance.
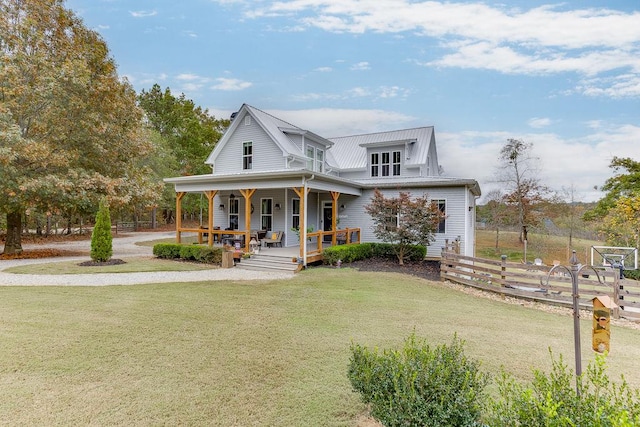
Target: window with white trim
(266, 214)
(385, 163)
(295, 213)
(442, 207)
(234, 218)
(395, 165)
(247, 155)
(315, 159)
(375, 164)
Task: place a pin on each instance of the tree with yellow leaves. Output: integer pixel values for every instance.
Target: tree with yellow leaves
(70, 130)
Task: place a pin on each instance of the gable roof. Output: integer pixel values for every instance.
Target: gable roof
(350, 152)
(277, 129)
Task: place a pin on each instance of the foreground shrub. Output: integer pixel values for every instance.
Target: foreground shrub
(553, 400)
(419, 385)
(101, 238)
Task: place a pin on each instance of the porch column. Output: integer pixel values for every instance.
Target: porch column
(303, 217)
(179, 196)
(210, 195)
(334, 216)
(247, 215)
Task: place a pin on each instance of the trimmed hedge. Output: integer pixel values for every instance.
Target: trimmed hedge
(204, 254)
(355, 252)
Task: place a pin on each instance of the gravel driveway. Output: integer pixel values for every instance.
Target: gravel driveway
(123, 247)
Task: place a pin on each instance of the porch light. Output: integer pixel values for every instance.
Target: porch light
(232, 196)
(342, 206)
(221, 207)
(277, 206)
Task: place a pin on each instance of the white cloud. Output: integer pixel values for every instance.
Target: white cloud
(541, 40)
(189, 77)
(143, 13)
(323, 69)
(360, 66)
(229, 84)
(581, 162)
(539, 122)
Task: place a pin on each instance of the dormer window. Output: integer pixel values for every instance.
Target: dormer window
(385, 163)
(247, 155)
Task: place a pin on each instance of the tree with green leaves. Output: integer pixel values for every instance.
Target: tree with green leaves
(618, 212)
(69, 123)
(190, 131)
(101, 238)
(523, 191)
(404, 221)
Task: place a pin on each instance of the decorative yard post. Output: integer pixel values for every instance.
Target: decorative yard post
(575, 272)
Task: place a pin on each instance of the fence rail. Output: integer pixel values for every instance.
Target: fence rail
(534, 282)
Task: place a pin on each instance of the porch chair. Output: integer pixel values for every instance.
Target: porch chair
(273, 238)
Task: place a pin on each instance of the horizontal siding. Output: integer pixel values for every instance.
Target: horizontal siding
(355, 215)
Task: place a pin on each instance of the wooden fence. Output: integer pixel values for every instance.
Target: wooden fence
(534, 282)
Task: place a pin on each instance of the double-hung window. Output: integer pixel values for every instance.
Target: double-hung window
(375, 164)
(396, 163)
(295, 213)
(266, 214)
(233, 213)
(247, 155)
(442, 207)
(315, 159)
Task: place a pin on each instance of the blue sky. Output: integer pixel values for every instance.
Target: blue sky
(564, 76)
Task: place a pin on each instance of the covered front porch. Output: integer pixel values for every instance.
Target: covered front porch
(275, 211)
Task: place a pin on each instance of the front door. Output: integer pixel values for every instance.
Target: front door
(327, 210)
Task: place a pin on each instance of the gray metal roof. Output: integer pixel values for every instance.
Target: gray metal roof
(349, 152)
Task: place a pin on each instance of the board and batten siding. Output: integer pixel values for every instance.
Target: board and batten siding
(266, 154)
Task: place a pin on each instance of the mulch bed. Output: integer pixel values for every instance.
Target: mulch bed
(42, 253)
(429, 270)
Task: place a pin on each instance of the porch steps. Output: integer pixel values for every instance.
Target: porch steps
(268, 262)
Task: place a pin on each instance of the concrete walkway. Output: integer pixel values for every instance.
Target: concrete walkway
(123, 247)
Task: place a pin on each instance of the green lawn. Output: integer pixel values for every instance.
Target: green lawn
(243, 354)
(131, 265)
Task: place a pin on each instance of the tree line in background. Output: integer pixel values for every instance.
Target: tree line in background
(72, 133)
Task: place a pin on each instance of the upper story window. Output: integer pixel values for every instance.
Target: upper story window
(315, 159)
(386, 163)
(247, 155)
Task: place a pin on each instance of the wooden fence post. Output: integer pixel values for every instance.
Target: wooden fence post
(503, 270)
(616, 293)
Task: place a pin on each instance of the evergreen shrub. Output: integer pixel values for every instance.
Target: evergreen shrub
(101, 238)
